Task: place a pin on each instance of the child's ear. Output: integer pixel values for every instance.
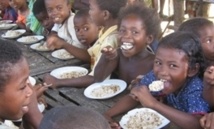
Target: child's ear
(106, 14)
(150, 39)
(193, 71)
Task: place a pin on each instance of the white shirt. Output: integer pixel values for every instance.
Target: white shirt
(66, 31)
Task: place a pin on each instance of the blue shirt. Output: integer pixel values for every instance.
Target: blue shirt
(189, 99)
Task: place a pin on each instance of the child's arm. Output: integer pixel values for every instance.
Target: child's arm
(79, 82)
(107, 63)
(208, 91)
(207, 121)
(180, 118)
(54, 42)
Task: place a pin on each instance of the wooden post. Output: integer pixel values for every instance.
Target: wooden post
(178, 12)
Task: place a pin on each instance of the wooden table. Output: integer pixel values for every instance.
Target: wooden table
(42, 63)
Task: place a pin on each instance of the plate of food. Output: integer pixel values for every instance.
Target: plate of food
(11, 34)
(143, 118)
(40, 47)
(5, 26)
(62, 54)
(5, 21)
(30, 39)
(69, 72)
(106, 89)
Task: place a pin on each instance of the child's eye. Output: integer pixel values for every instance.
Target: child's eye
(59, 8)
(134, 32)
(77, 29)
(157, 62)
(23, 87)
(121, 31)
(85, 28)
(172, 65)
(208, 41)
(48, 10)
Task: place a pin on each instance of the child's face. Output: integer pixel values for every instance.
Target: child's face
(16, 93)
(207, 42)
(46, 22)
(86, 30)
(133, 34)
(171, 65)
(96, 13)
(4, 4)
(17, 4)
(58, 10)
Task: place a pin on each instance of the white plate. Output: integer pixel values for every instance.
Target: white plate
(122, 86)
(38, 47)
(6, 21)
(62, 54)
(69, 69)
(25, 39)
(21, 31)
(32, 80)
(5, 26)
(125, 118)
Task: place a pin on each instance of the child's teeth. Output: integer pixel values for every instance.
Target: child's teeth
(126, 46)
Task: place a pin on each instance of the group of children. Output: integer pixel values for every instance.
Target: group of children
(123, 39)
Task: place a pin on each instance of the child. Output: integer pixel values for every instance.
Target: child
(8, 12)
(40, 13)
(138, 27)
(204, 29)
(17, 99)
(73, 117)
(60, 13)
(26, 19)
(207, 121)
(85, 28)
(103, 14)
(178, 61)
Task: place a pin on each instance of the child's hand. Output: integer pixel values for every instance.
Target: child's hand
(40, 88)
(142, 94)
(135, 82)
(50, 80)
(207, 121)
(109, 52)
(209, 76)
(54, 42)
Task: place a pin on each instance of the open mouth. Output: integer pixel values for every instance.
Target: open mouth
(126, 46)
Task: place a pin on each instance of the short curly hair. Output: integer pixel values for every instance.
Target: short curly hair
(189, 44)
(194, 25)
(10, 54)
(39, 7)
(113, 6)
(149, 17)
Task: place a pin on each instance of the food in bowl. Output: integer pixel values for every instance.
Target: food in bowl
(42, 47)
(72, 74)
(64, 55)
(12, 33)
(143, 120)
(4, 25)
(29, 39)
(105, 90)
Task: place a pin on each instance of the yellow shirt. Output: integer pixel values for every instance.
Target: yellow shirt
(108, 38)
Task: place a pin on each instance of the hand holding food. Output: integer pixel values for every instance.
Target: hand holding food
(109, 52)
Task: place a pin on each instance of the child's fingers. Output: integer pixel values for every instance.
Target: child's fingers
(203, 121)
